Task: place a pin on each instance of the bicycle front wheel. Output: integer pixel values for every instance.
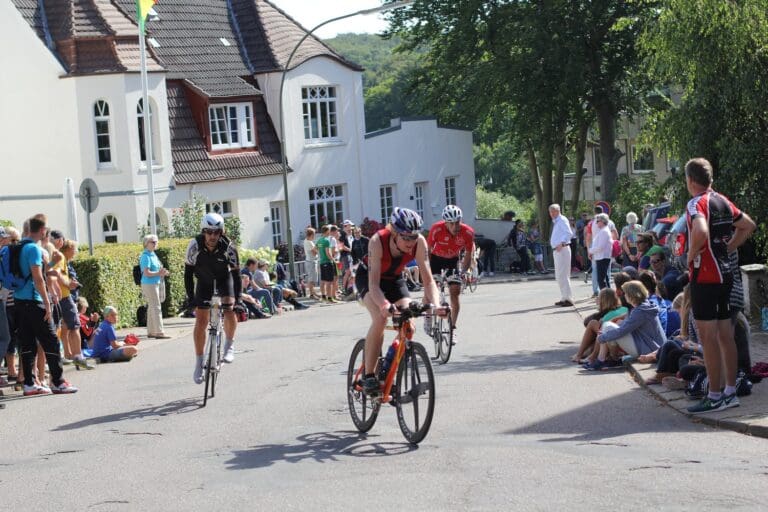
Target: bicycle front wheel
(210, 367)
(472, 282)
(415, 393)
(362, 408)
(444, 339)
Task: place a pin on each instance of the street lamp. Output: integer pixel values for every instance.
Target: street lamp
(372, 10)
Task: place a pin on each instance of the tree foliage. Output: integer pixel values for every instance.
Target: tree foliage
(492, 205)
(715, 55)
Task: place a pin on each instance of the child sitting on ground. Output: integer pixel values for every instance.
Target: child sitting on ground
(87, 323)
(609, 308)
(105, 345)
(639, 333)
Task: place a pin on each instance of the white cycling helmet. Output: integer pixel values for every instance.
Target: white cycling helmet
(406, 221)
(212, 221)
(452, 213)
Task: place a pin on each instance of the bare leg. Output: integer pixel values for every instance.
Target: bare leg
(375, 337)
(725, 336)
(201, 323)
(708, 335)
(455, 291)
(587, 339)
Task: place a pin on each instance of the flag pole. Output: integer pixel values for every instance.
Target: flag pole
(147, 125)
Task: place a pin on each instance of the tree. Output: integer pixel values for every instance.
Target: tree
(713, 54)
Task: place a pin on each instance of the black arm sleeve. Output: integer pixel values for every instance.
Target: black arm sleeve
(189, 280)
(237, 284)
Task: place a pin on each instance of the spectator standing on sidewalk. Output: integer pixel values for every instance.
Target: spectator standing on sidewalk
(560, 241)
(310, 253)
(600, 250)
(153, 287)
(70, 320)
(487, 255)
(33, 308)
(717, 227)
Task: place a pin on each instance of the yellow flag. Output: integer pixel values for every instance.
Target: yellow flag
(142, 10)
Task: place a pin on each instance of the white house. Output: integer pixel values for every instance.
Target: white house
(73, 94)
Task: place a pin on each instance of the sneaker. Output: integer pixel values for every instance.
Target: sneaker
(731, 401)
(428, 325)
(454, 337)
(36, 389)
(197, 376)
(64, 388)
(708, 405)
(594, 366)
(673, 383)
(371, 386)
(82, 364)
(64, 360)
(229, 352)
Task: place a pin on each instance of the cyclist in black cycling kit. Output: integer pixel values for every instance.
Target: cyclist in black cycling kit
(212, 257)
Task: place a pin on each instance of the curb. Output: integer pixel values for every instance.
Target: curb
(725, 420)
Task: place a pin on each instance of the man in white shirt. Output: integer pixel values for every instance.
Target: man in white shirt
(560, 241)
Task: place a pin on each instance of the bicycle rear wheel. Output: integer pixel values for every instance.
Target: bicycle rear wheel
(444, 338)
(363, 410)
(415, 394)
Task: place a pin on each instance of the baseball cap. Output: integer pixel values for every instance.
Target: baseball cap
(347, 222)
(3, 233)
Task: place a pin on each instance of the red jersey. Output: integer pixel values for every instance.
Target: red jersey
(712, 264)
(391, 267)
(443, 244)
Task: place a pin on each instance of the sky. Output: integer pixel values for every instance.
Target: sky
(311, 12)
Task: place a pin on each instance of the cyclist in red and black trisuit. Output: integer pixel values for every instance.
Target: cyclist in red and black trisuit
(446, 241)
(380, 283)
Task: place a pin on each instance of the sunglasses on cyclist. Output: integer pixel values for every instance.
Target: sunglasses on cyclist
(212, 231)
(409, 238)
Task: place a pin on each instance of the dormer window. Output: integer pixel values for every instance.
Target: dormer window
(231, 126)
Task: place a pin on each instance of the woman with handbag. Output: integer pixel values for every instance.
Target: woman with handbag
(153, 287)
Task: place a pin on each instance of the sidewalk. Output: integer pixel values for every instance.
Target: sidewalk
(751, 417)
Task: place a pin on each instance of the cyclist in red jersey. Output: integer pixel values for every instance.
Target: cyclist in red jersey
(447, 239)
(717, 228)
(380, 283)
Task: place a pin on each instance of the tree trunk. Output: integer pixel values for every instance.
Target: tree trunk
(560, 159)
(581, 151)
(609, 153)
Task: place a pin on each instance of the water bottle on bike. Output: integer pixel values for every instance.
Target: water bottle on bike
(387, 361)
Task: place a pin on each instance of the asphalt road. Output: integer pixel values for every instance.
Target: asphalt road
(516, 427)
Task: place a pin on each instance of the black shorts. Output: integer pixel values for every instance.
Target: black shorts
(451, 266)
(710, 301)
(393, 289)
(204, 289)
(327, 272)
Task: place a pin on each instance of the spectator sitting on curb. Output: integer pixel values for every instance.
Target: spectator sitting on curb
(640, 333)
(609, 309)
(88, 323)
(252, 304)
(670, 319)
(105, 345)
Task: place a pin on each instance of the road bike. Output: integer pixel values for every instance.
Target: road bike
(212, 353)
(441, 328)
(469, 279)
(408, 384)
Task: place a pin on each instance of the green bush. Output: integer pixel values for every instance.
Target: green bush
(107, 277)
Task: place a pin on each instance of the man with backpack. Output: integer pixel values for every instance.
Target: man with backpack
(34, 314)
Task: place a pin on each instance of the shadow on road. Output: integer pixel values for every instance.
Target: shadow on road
(555, 309)
(318, 446)
(550, 359)
(602, 420)
(176, 407)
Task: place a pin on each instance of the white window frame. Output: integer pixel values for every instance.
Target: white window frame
(386, 202)
(597, 164)
(275, 220)
(324, 199)
(419, 195)
(320, 113)
(635, 151)
(110, 227)
(101, 117)
(450, 190)
(238, 122)
(223, 208)
(140, 129)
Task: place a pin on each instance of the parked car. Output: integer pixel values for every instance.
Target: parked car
(655, 213)
(662, 228)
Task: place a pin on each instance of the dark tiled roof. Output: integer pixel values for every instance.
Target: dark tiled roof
(189, 33)
(281, 34)
(191, 161)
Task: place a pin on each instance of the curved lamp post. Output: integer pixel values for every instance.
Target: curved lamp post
(286, 68)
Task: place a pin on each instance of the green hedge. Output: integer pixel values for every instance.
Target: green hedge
(107, 277)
